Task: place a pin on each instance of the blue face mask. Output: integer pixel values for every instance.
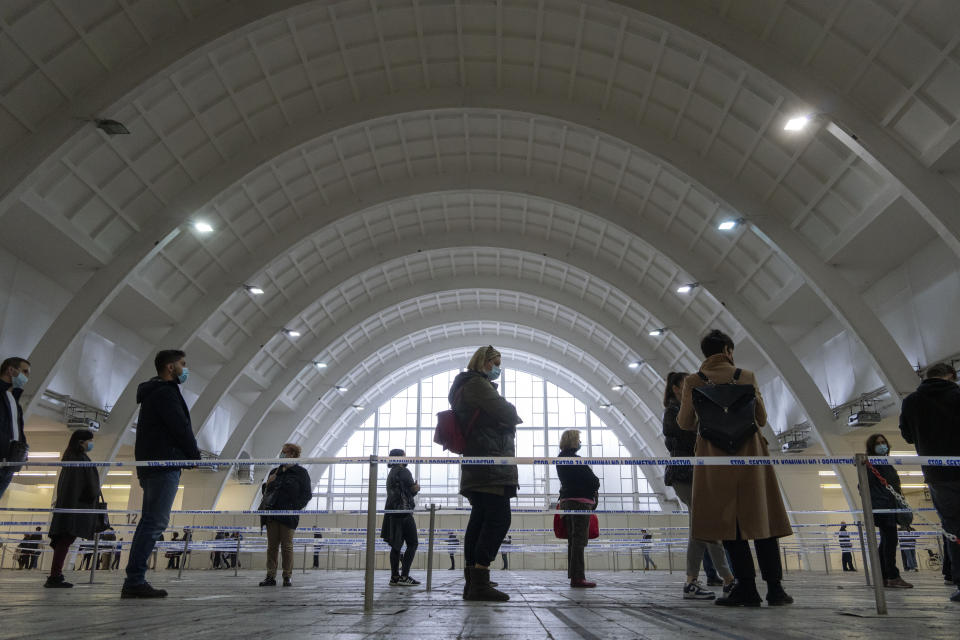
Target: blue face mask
(283, 455)
(494, 373)
(90, 445)
(882, 449)
(19, 380)
(183, 376)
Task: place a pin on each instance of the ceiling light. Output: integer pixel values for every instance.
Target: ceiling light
(320, 365)
(119, 473)
(358, 407)
(43, 486)
(341, 389)
(658, 332)
(797, 124)
(252, 290)
(635, 364)
(35, 474)
(827, 473)
(112, 127)
(687, 288)
(617, 387)
(202, 227)
(605, 405)
(902, 453)
(729, 225)
(913, 486)
(43, 454)
(830, 486)
(291, 333)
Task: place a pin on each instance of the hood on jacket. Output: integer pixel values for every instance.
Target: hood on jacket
(145, 389)
(935, 389)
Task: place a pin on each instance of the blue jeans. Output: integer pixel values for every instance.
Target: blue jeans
(6, 477)
(159, 490)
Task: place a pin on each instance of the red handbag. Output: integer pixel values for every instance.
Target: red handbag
(560, 527)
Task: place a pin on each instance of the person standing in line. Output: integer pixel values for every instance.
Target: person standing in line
(86, 553)
(452, 543)
(116, 555)
(504, 549)
(14, 374)
(34, 547)
(682, 444)
(647, 559)
(216, 556)
(492, 433)
(77, 488)
(108, 541)
(881, 479)
(173, 556)
(287, 488)
(930, 420)
(400, 528)
(846, 555)
(164, 432)
(908, 548)
(316, 549)
(736, 504)
(579, 491)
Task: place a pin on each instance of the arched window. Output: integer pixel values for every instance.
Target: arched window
(407, 421)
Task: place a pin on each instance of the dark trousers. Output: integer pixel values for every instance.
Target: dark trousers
(741, 562)
(486, 529)
(946, 500)
(409, 528)
(316, 560)
(85, 562)
(887, 524)
(503, 557)
(846, 558)
(453, 564)
(578, 529)
(61, 546)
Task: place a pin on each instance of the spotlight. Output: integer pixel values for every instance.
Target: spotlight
(252, 290)
(797, 124)
(112, 127)
(687, 288)
(658, 332)
(635, 364)
(340, 389)
(617, 387)
(320, 365)
(202, 227)
(290, 333)
(730, 225)
(358, 407)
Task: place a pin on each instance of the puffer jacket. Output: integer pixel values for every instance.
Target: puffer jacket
(493, 434)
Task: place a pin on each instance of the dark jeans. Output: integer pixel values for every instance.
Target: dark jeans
(61, 546)
(453, 563)
(887, 523)
(159, 490)
(946, 500)
(741, 562)
(488, 526)
(846, 558)
(409, 527)
(503, 557)
(6, 477)
(578, 529)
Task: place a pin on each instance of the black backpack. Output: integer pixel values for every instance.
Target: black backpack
(726, 412)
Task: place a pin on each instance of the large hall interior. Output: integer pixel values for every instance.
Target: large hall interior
(329, 208)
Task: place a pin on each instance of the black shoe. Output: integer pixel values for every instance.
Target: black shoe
(714, 582)
(287, 582)
(407, 581)
(742, 595)
(56, 582)
(480, 589)
(269, 582)
(776, 596)
(142, 591)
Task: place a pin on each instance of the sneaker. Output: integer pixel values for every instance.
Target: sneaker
(695, 591)
(582, 584)
(142, 591)
(407, 581)
(287, 582)
(897, 583)
(56, 582)
(727, 588)
(956, 596)
(714, 582)
(394, 581)
(269, 582)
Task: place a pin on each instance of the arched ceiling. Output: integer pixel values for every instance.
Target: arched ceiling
(351, 155)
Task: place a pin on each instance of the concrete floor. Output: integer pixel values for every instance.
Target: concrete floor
(322, 604)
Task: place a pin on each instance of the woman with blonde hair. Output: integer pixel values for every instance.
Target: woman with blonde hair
(579, 488)
(490, 424)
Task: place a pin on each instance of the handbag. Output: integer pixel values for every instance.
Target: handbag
(904, 518)
(560, 527)
(103, 518)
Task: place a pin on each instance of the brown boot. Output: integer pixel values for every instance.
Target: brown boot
(479, 588)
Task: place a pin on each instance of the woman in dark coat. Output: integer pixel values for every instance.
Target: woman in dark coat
(579, 487)
(400, 528)
(881, 498)
(77, 488)
(491, 424)
(287, 489)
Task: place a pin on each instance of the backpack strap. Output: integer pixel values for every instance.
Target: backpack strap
(736, 374)
(703, 377)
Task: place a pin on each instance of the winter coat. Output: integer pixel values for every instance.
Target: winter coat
(493, 434)
(164, 430)
(930, 420)
(400, 489)
(724, 496)
(880, 496)
(77, 488)
(576, 481)
(289, 490)
(5, 428)
(680, 443)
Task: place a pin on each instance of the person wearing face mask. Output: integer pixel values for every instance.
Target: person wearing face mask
(14, 373)
(579, 488)
(476, 401)
(164, 432)
(400, 528)
(287, 488)
(882, 498)
(77, 488)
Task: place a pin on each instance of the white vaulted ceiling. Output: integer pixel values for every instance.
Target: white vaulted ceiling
(545, 170)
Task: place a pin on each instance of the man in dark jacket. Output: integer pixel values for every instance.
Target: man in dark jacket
(14, 373)
(164, 432)
(930, 420)
(287, 489)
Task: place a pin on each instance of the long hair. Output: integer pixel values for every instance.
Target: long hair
(872, 443)
(74, 451)
(674, 378)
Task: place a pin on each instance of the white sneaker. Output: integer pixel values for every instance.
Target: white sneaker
(695, 591)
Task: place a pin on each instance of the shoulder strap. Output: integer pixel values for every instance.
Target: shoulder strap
(703, 377)
(882, 480)
(736, 374)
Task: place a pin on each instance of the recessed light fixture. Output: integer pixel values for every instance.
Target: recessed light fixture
(605, 405)
(320, 365)
(358, 407)
(253, 290)
(43, 454)
(798, 123)
(340, 388)
(730, 225)
(291, 333)
(618, 387)
(202, 227)
(635, 364)
(112, 127)
(658, 332)
(687, 288)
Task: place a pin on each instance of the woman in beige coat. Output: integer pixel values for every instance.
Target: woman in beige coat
(736, 504)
